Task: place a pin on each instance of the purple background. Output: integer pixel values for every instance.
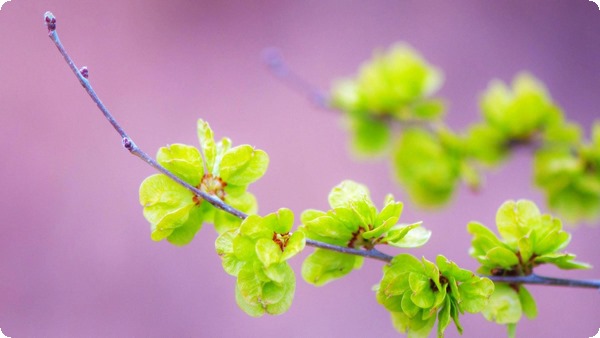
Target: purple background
(76, 257)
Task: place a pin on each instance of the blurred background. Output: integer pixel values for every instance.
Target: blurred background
(76, 257)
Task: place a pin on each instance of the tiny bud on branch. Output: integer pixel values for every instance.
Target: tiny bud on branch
(50, 20)
(84, 71)
(128, 143)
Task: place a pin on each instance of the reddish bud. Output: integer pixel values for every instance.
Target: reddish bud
(84, 71)
(50, 20)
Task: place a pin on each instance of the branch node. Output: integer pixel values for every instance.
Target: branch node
(50, 20)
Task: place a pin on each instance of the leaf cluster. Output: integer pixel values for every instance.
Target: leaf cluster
(419, 292)
(393, 85)
(570, 177)
(353, 222)
(396, 87)
(527, 239)
(176, 213)
(257, 253)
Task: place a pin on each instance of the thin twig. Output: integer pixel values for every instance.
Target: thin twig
(373, 253)
(128, 143)
(541, 280)
(272, 57)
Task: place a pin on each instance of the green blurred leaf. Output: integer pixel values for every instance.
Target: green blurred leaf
(425, 167)
(371, 136)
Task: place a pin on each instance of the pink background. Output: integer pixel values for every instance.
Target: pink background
(76, 257)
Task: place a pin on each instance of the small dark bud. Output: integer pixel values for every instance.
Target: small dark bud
(84, 71)
(50, 21)
(127, 143)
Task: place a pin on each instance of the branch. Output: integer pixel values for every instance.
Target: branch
(276, 63)
(541, 280)
(272, 57)
(128, 141)
(373, 253)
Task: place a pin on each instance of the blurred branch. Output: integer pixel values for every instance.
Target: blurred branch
(278, 66)
(273, 59)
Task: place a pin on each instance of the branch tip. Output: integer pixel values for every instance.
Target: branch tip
(50, 21)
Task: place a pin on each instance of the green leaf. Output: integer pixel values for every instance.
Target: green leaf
(285, 221)
(327, 229)
(486, 144)
(504, 306)
(428, 109)
(422, 295)
(444, 317)
(286, 300)
(324, 266)
(346, 192)
(182, 160)
(525, 248)
(252, 309)
(527, 303)
(426, 167)
(385, 220)
(483, 238)
(407, 306)
(562, 260)
(371, 136)
(407, 236)
(515, 219)
(249, 285)
(207, 143)
(310, 214)
(167, 205)
(475, 294)
(267, 252)
(415, 327)
(185, 232)
(502, 257)
(295, 245)
(243, 165)
(522, 112)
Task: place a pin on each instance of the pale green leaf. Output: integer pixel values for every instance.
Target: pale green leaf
(182, 160)
(268, 252)
(527, 303)
(324, 266)
(295, 245)
(207, 143)
(346, 192)
(243, 165)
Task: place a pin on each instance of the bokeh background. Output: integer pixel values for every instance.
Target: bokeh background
(76, 259)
